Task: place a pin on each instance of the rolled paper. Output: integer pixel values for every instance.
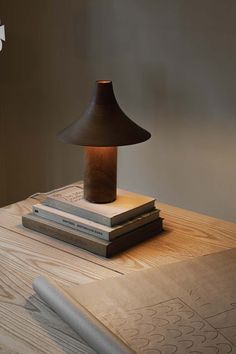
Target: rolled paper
(89, 328)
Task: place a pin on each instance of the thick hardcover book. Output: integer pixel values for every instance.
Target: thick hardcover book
(92, 243)
(127, 205)
(90, 227)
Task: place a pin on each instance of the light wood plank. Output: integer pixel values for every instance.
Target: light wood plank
(12, 222)
(187, 234)
(27, 325)
(28, 254)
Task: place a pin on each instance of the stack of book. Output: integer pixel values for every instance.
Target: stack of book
(104, 229)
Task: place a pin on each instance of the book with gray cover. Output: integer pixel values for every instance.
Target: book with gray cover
(128, 205)
(93, 228)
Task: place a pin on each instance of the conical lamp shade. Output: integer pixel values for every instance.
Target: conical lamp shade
(103, 123)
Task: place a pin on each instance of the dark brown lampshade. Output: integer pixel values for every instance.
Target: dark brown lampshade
(103, 123)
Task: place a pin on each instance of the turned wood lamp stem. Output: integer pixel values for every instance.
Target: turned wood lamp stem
(100, 174)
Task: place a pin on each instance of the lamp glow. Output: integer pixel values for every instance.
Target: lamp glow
(102, 128)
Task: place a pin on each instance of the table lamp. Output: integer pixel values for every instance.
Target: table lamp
(102, 128)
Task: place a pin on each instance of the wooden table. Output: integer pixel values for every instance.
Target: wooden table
(27, 325)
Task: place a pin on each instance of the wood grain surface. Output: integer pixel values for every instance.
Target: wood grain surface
(27, 325)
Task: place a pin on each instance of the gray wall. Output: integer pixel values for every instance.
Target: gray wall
(172, 63)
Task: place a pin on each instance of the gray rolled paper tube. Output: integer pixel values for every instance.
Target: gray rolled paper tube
(98, 337)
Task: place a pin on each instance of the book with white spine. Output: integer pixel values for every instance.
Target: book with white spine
(92, 243)
(93, 228)
(127, 205)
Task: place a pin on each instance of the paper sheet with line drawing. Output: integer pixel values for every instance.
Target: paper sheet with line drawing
(186, 307)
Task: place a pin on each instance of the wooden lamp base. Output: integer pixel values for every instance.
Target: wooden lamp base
(100, 174)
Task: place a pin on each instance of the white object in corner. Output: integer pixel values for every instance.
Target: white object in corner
(2, 35)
